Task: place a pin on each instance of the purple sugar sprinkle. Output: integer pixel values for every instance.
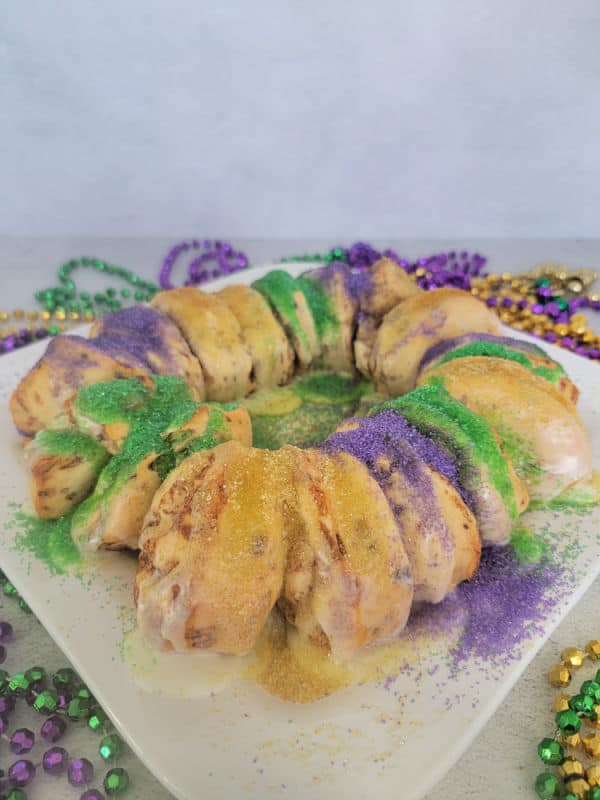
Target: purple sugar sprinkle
(505, 605)
(384, 434)
(138, 331)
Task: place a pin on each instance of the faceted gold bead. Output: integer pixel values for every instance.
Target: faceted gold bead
(579, 319)
(88, 316)
(569, 741)
(3, 316)
(561, 701)
(12, 331)
(592, 745)
(475, 290)
(595, 723)
(74, 315)
(592, 775)
(572, 657)
(571, 768)
(32, 315)
(18, 313)
(579, 787)
(60, 315)
(485, 294)
(561, 330)
(518, 325)
(45, 315)
(593, 649)
(559, 676)
(505, 316)
(578, 330)
(594, 297)
(587, 337)
(420, 272)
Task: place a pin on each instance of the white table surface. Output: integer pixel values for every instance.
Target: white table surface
(502, 762)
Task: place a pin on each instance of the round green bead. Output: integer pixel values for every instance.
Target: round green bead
(551, 752)
(111, 746)
(568, 722)
(569, 796)
(116, 781)
(63, 677)
(111, 292)
(543, 282)
(100, 265)
(19, 684)
(99, 298)
(138, 295)
(337, 253)
(46, 702)
(85, 295)
(591, 689)
(23, 606)
(582, 704)
(546, 786)
(98, 720)
(36, 674)
(594, 793)
(125, 293)
(4, 681)
(9, 590)
(16, 794)
(53, 330)
(562, 304)
(78, 708)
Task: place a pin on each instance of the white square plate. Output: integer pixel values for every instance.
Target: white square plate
(377, 739)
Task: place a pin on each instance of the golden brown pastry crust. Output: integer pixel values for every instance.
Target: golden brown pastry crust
(214, 336)
(415, 325)
(272, 355)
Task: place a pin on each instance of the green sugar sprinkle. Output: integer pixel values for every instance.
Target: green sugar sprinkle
(165, 407)
(67, 441)
(306, 411)
(329, 388)
(436, 414)
(112, 401)
(49, 541)
(278, 288)
(320, 306)
(529, 546)
(306, 426)
(497, 350)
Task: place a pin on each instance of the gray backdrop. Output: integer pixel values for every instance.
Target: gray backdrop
(389, 118)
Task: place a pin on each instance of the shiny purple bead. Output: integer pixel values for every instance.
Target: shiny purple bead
(81, 771)
(55, 760)
(92, 794)
(9, 343)
(64, 698)
(53, 728)
(22, 741)
(7, 703)
(6, 631)
(21, 772)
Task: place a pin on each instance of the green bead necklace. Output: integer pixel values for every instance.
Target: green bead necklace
(66, 298)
